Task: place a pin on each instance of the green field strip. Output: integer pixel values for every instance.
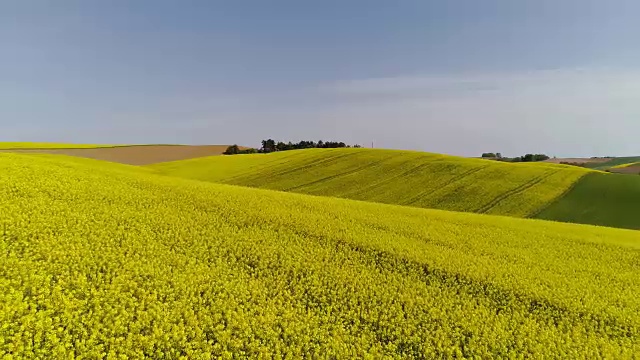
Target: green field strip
(613, 162)
(600, 199)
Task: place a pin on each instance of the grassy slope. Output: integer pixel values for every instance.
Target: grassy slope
(600, 199)
(394, 177)
(98, 258)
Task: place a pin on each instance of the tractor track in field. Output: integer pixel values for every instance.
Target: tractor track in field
(485, 208)
(248, 173)
(452, 181)
(346, 173)
(413, 170)
(313, 164)
(544, 207)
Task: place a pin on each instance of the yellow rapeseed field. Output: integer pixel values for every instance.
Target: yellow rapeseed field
(391, 176)
(100, 260)
(45, 145)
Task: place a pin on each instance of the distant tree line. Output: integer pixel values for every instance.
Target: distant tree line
(270, 145)
(530, 158)
(524, 158)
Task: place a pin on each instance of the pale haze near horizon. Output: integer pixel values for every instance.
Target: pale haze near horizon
(456, 77)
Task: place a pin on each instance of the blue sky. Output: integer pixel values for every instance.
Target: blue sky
(460, 77)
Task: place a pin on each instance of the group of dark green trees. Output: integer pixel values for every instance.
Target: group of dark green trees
(524, 158)
(235, 149)
(271, 145)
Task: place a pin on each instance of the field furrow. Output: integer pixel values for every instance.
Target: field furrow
(502, 197)
(444, 191)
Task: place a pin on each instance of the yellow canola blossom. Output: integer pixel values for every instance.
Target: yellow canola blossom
(99, 260)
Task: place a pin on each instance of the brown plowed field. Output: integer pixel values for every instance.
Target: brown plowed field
(136, 155)
(578, 160)
(634, 170)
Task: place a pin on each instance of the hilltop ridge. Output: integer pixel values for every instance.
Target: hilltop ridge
(399, 177)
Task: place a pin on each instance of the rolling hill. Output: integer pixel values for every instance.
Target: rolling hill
(101, 259)
(391, 176)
